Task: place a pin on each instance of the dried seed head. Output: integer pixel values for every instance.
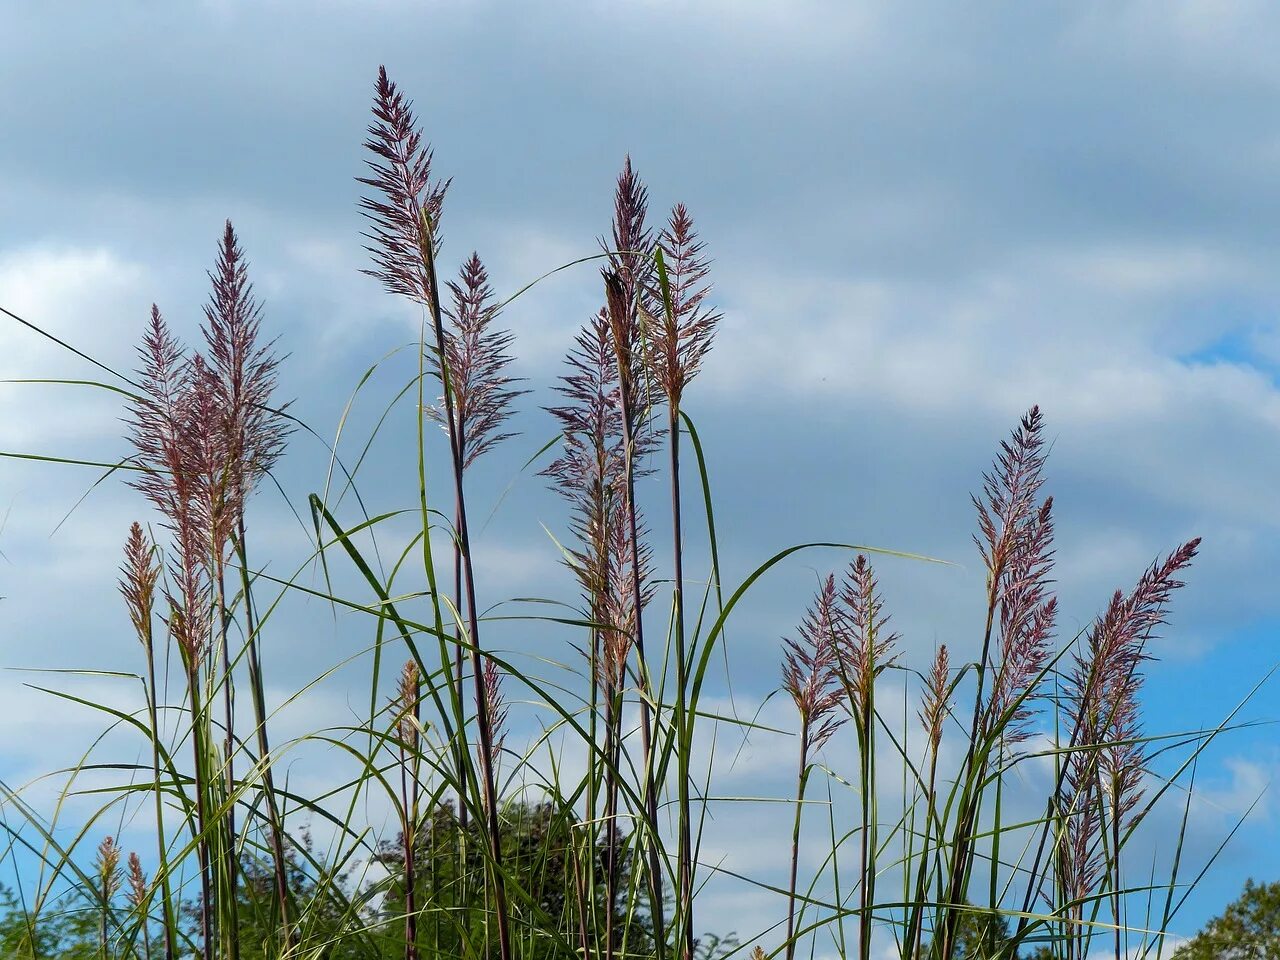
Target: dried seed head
(405, 221)
(809, 668)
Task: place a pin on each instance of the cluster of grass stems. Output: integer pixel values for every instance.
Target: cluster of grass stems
(611, 868)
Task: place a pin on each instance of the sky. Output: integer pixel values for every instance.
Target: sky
(923, 218)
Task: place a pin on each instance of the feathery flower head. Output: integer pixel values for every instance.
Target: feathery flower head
(477, 356)
(495, 704)
(933, 707)
(107, 865)
(138, 576)
(1105, 680)
(1017, 547)
(138, 887)
(406, 703)
(243, 374)
(863, 647)
(686, 327)
(405, 221)
(809, 667)
(1009, 493)
(590, 473)
(629, 256)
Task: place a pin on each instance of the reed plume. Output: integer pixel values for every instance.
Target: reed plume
(107, 868)
(810, 674)
(173, 435)
(138, 894)
(1103, 781)
(590, 474)
(243, 377)
(405, 231)
(407, 704)
(477, 356)
(864, 650)
(682, 335)
(934, 709)
(405, 238)
(139, 575)
(1014, 540)
(624, 333)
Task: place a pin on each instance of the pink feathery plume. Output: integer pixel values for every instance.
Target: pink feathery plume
(810, 668)
(1106, 764)
(630, 256)
(138, 577)
(864, 648)
(620, 611)
(401, 173)
(1105, 680)
(138, 886)
(1027, 616)
(244, 375)
(1009, 493)
(495, 704)
(590, 473)
(406, 705)
(108, 867)
(934, 704)
(173, 439)
(477, 355)
(684, 331)
(1016, 543)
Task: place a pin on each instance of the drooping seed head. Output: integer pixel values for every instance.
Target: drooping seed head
(1103, 686)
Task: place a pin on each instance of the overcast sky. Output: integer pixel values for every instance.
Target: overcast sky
(924, 219)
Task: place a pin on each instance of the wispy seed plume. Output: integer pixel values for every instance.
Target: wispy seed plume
(934, 704)
(809, 668)
(864, 647)
(686, 326)
(401, 174)
(478, 357)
